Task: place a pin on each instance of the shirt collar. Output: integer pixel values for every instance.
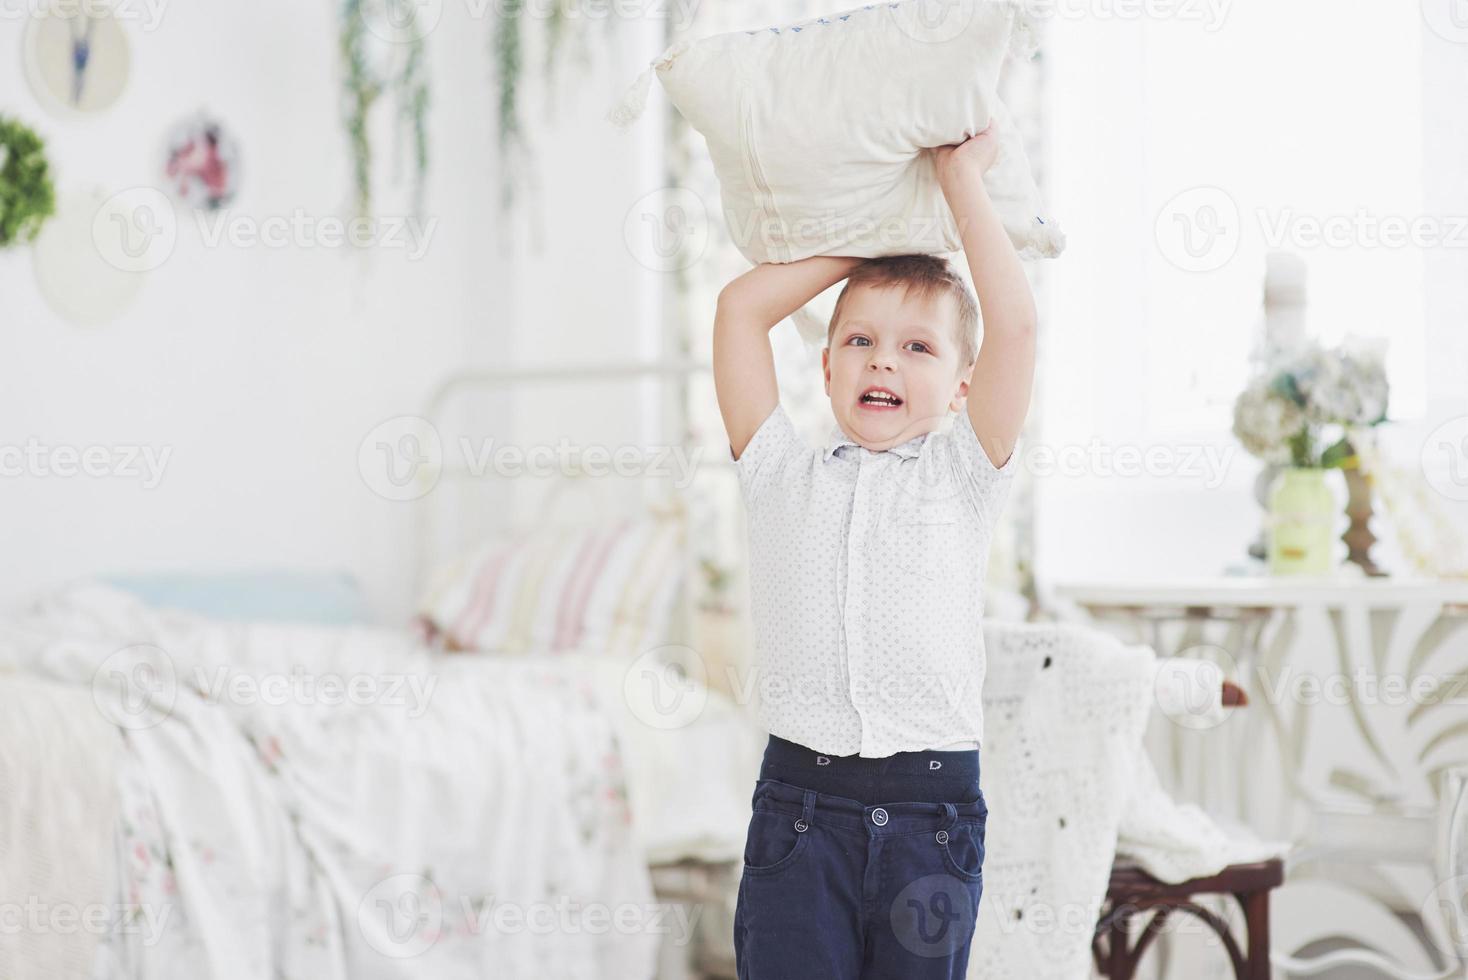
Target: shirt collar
(907, 450)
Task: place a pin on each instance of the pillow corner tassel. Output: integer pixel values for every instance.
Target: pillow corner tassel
(629, 108)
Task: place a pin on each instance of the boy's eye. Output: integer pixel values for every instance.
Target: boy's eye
(918, 347)
(860, 341)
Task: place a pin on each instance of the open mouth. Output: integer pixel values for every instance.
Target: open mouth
(879, 398)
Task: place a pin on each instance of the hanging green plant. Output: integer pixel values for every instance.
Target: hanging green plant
(382, 49)
(507, 40)
(27, 197)
(509, 48)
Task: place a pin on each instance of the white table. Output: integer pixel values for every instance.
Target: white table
(1358, 693)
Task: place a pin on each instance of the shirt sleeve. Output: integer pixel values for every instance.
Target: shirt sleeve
(760, 463)
(988, 485)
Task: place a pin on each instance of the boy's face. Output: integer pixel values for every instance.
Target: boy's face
(892, 368)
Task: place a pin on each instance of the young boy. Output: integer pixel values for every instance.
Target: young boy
(864, 857)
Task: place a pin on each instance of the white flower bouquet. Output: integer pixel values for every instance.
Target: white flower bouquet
(1301, 409)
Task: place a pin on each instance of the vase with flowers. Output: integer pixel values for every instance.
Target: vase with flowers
(1300, 414)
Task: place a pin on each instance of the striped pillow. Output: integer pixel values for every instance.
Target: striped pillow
(607, 588)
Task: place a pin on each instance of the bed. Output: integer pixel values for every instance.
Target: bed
(215, 791)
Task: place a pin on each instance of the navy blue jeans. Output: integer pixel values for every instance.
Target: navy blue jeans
(861, 869)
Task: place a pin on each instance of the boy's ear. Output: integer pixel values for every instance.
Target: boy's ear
(960, 395)
(826, 368)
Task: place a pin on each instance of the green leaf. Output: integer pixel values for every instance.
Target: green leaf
(1302, 450)
(27, 195)
(1340, 454)
(409, 85)
(1284, 385)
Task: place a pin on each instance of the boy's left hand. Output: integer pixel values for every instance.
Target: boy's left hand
(965, 162)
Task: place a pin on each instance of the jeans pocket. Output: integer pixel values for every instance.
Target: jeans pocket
(963, 849)
(775, 841)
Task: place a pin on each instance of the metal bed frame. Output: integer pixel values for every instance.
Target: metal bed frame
(440, 514)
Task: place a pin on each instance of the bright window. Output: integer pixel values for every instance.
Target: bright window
(1301, 123)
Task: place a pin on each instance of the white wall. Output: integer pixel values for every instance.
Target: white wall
(261, 369)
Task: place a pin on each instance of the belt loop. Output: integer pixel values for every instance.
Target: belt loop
(810, 807)
(950, 815)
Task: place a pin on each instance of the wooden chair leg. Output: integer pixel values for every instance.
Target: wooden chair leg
(1256, 924)
(1121, 965)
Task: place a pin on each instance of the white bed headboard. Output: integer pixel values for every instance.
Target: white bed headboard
(530, 443)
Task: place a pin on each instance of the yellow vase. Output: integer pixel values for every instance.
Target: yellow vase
(1302, 513)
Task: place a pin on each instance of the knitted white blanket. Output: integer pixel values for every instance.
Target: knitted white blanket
(1067, 780)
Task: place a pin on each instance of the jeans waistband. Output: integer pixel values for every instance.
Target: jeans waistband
(934, 776)
(894, 819)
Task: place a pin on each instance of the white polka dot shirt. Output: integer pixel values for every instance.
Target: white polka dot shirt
(866, 585)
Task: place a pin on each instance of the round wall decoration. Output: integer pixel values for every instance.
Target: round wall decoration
(77, 56)
(91, 259)
(203, 166)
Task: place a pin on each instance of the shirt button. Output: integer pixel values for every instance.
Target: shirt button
(879, 817)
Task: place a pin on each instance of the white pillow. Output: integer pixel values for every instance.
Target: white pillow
(609, 588)
(817, 129)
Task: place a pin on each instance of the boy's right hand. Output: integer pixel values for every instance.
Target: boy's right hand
(964, 164)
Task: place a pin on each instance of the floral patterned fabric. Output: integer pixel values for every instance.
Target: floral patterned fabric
(313, 802)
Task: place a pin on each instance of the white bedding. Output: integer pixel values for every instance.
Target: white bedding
(461, 816)
(56, 835)
(692, 758)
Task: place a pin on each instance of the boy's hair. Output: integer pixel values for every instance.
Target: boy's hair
(929, 275)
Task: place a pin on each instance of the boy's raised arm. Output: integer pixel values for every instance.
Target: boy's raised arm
(1003, 375)
(749, 308)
